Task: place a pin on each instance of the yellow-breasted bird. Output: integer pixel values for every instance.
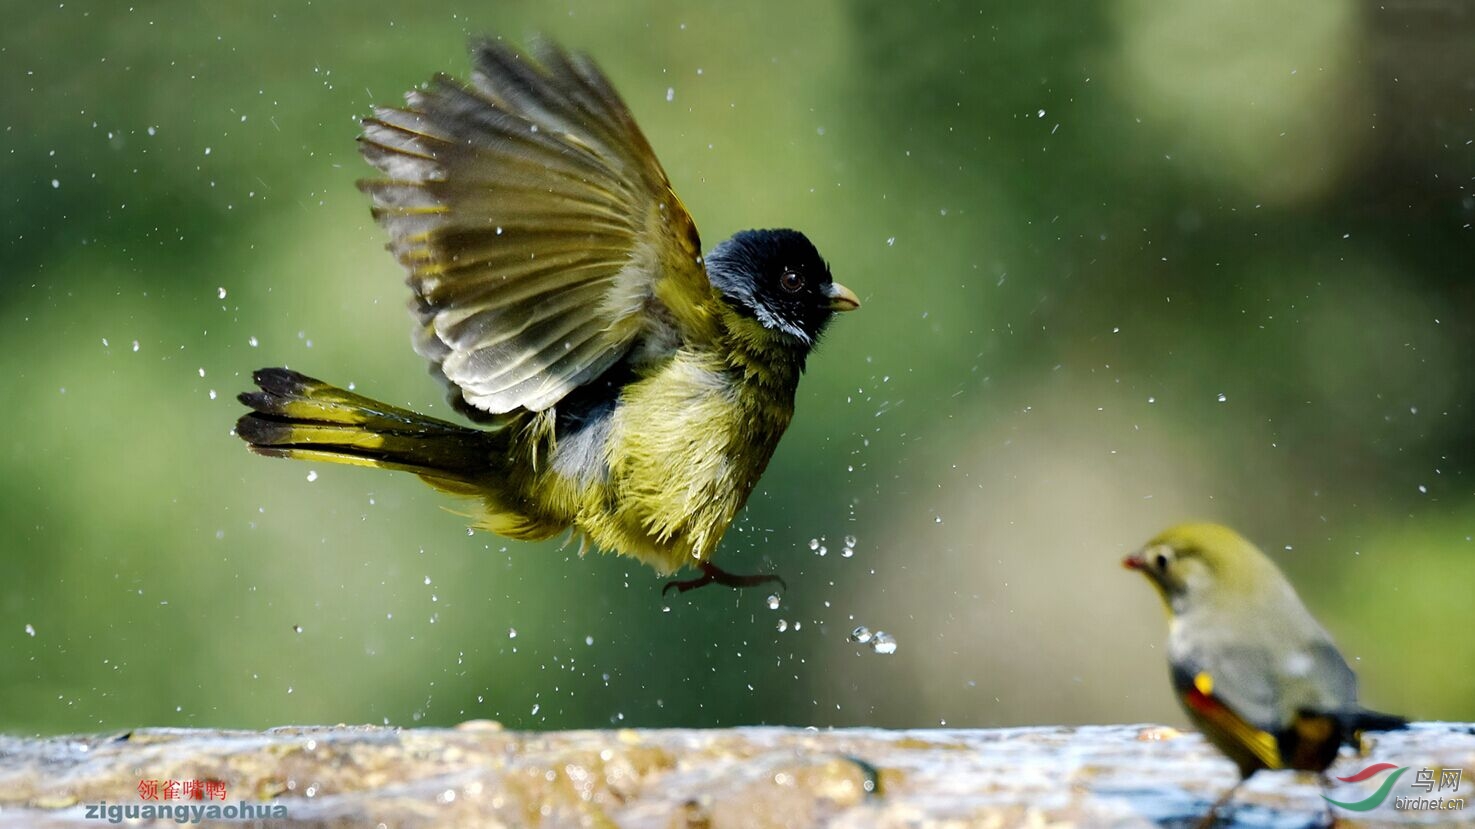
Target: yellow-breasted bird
(626, 387)
(1254, 671)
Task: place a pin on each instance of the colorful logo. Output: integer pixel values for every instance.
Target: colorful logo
(1377, 797)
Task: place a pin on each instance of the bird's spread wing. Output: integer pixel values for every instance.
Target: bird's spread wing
(541, 235)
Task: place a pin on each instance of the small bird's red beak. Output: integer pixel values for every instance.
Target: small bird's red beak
(1133, 562)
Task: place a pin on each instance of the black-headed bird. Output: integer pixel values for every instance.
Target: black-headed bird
(626, 388)
(1251, 667)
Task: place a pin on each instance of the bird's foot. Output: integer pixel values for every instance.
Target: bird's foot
(1212, 818)
(712, 574)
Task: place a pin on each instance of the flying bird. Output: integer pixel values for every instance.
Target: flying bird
(623, 386)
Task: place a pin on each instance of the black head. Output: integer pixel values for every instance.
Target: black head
(777, 278)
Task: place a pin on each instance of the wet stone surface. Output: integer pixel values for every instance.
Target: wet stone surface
(480, 775)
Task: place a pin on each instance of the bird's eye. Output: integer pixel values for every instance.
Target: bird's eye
(1161, 561)
(791, 281)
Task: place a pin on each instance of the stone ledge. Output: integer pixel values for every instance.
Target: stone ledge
(480, 775)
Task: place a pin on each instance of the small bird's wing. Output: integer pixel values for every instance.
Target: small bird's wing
(542, 237)
(1289, 710)
(1232, 692)
(1335, 685)
(1338, 697)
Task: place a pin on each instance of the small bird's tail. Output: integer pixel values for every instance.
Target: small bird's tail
(296, 416)
(1360, 720)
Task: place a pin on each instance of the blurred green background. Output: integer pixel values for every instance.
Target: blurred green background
(1123, 264)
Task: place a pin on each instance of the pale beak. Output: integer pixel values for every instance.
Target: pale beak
(842, 298)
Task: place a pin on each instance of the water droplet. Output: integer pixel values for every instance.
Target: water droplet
(220, 292)
(880, 641)
(814, 543)
(589, 640)
(55, 184)
(30, 631)
(297, 628)
(536, 707)
(1223, 398)
(782, 626)
(773, 601)
(312, 475)
(512, 633)
(670, 94)
(253, 342)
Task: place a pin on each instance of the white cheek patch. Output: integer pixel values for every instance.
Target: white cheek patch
(774, 322)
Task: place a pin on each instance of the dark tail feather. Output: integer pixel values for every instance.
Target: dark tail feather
(296, 416)
(1362, 720)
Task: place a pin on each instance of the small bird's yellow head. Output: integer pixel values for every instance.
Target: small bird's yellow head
(1201, 564)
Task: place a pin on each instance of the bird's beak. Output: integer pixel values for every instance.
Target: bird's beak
(1134, 561)
(842, 298)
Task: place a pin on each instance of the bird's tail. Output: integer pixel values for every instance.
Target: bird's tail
(1360, 720)
(295, 416)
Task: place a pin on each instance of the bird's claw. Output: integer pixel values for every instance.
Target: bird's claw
(712, 574)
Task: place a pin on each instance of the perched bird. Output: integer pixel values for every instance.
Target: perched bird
(1252, 668)
(625, 387)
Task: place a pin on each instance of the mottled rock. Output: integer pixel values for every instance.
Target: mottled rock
(479, 775)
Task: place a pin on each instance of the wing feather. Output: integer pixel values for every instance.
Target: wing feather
(541, 236)
(1215, 713)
